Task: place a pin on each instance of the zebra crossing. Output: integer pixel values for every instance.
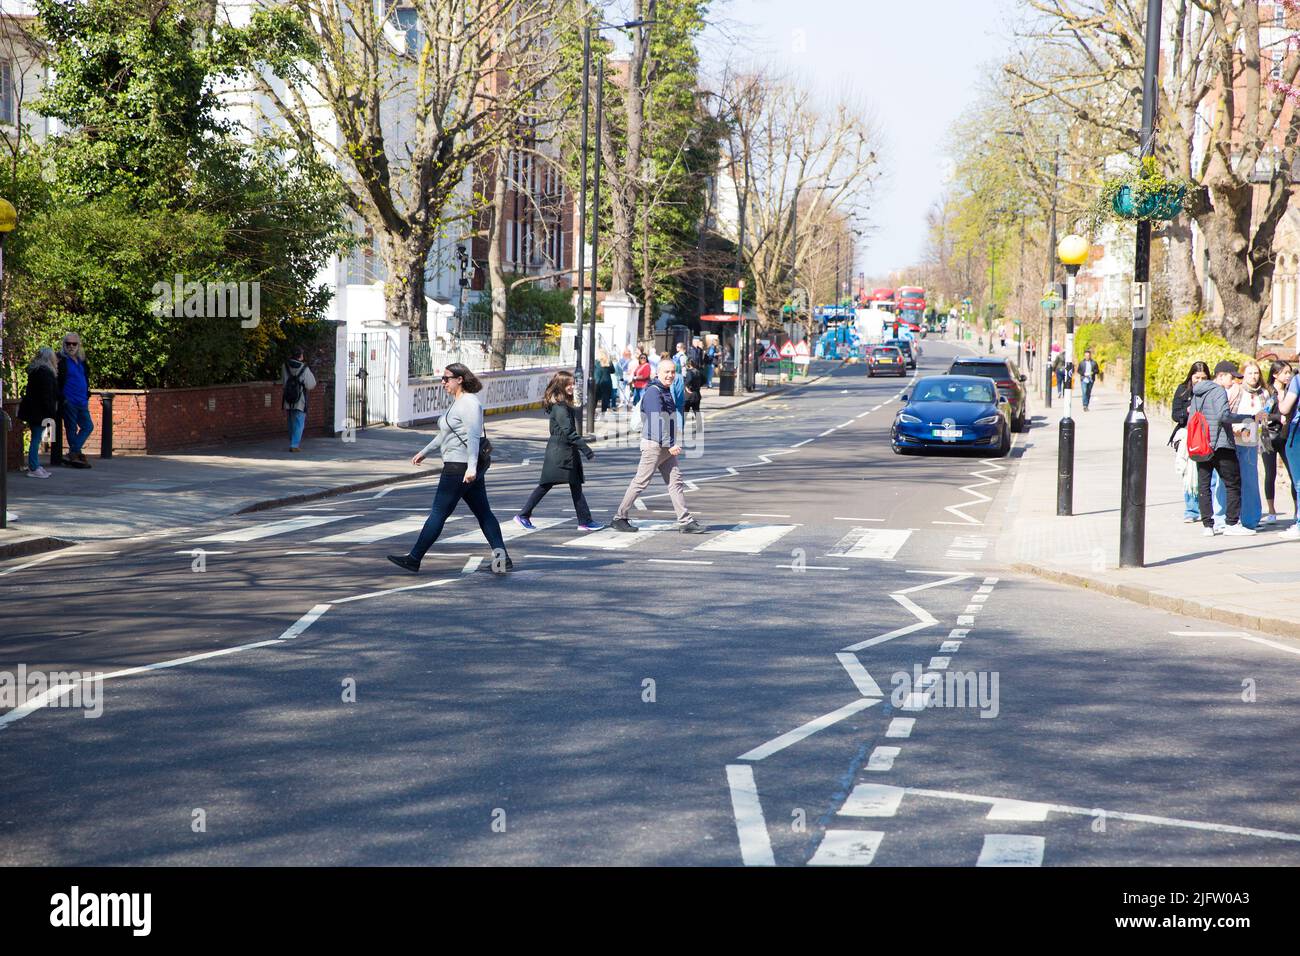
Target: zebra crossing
(745, 537)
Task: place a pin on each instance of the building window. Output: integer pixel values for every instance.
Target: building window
(1276, 72)
(7, 93)
(1279, 15)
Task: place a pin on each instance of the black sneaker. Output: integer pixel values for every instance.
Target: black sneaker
(405, 562)
(509, 566)
(692, 527)
(622, 524)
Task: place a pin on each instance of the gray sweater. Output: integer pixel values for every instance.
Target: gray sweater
(1211, 400)
(460, 428)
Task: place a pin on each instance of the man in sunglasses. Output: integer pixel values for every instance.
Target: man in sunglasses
(74, 396)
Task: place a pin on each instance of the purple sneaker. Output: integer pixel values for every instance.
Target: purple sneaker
(593, 526)
(525, 523)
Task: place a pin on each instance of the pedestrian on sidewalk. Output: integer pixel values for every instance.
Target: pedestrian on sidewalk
(1291, 448)
(1199, 372)
(679, 399)
(640, 378)
(1211, 400)
(297, 380)
(40, 403)
(562, 466)
(603, 374)
(1273, 436)
(660, 446)
(625, 367)
(694, 380)
(1088, 372)
(466, 456)
(1248, 397)
(74, 398)
(679, 358)
(711, 356)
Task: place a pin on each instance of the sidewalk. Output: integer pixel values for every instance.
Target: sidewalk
(128, 496)
(1243, 583)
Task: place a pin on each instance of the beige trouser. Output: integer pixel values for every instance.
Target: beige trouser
(655, 457)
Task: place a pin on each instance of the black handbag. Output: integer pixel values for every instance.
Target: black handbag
(484, 451)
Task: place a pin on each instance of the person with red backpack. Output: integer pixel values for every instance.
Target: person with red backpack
(1199, 372)
(1210, 444)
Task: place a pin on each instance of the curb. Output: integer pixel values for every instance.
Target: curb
(1164, 601)
(21, 549)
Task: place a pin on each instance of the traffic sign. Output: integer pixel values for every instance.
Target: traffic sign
(787, 350)
(802, 349)
(771, 354)
(731, 300)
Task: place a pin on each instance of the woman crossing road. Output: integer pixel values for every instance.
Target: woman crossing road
(466, 455)
(562, 466)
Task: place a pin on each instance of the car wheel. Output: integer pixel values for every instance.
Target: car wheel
(1005, 448)
(1021, 424)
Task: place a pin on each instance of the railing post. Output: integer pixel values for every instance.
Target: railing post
(106, 425)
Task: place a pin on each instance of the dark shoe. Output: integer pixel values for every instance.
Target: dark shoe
(405, 562)
(622, 524)
(510, 566)
(692, 527)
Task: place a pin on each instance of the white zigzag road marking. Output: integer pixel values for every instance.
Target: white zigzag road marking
(978, 498)
(751, 826)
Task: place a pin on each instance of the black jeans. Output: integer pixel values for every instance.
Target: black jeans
(451, 489)
(575, 492)
(1225, 463)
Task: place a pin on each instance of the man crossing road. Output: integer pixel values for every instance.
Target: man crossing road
(1088, 372)
(660, 446)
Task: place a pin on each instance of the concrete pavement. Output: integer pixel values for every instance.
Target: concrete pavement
(1251, 583)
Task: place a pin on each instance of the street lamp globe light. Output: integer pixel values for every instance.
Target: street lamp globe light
(1072, 251)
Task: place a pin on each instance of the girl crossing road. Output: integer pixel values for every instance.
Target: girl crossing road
(562, 466)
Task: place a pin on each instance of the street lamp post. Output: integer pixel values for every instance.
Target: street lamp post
(582, 206)
(8, 219)
(590, 389)
(1073, 252)
(1051, 278)
(1133, 489)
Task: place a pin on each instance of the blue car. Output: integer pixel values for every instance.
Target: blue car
(953, 412)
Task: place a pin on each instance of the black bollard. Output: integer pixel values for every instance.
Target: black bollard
(56, 441)
(4, 469)
(105, 425)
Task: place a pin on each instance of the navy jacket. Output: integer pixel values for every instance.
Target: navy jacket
(658, 415)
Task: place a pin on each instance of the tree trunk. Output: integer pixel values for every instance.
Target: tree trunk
(404, 302)
(1184, 285)
(496, 269)
(1241, 260)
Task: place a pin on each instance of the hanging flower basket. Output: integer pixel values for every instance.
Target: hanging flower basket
(1145, 193)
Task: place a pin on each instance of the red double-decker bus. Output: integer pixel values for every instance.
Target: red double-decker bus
(882, 299)
(911, 306)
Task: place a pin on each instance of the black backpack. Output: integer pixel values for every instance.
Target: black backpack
(293, 389)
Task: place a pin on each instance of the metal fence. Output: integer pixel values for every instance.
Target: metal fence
(522, 351)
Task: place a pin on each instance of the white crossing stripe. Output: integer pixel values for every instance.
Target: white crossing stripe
(900, 727)
(949, 647)
(847, 848)
(882, 758)
(939, 663)
(509, 531)
(1011, 849)
(965, 619)
(378, 532)
(916, 700)
(747, 538)
(880, 544)
(872, 800)
(1022, 810)
(755, 844)
(609, 539)
(964, 555)
(272, 528)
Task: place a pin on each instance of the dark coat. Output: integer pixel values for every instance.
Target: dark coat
(40, 399)
(604, 376)
(562, 466)
(1182, 398)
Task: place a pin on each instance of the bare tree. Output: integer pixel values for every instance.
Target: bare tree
(793, 166)
(1224, 123)
(404, 100)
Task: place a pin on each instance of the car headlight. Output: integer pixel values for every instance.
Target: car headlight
(909, 419)
(989, 420)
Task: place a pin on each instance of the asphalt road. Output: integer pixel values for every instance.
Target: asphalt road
(734, 697)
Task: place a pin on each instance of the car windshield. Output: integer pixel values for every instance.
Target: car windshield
(982, 369)
(950, 390)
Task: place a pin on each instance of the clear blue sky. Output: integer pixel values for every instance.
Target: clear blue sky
(917, 62)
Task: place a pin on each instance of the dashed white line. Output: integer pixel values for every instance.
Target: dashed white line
(872, 800)
(675, 561)
(882, 758)
(847, 848)
(900, 727)
(1011, 849)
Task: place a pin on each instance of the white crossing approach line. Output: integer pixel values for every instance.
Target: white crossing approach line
(1241, 634)
(271, 528)
(747, 538)
(777, 744)
(847, 848)
(872, 800)
(751, 828)
(877, 544)
(509, 532)
(378, 532)
(1011, 849)
(611, 540)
